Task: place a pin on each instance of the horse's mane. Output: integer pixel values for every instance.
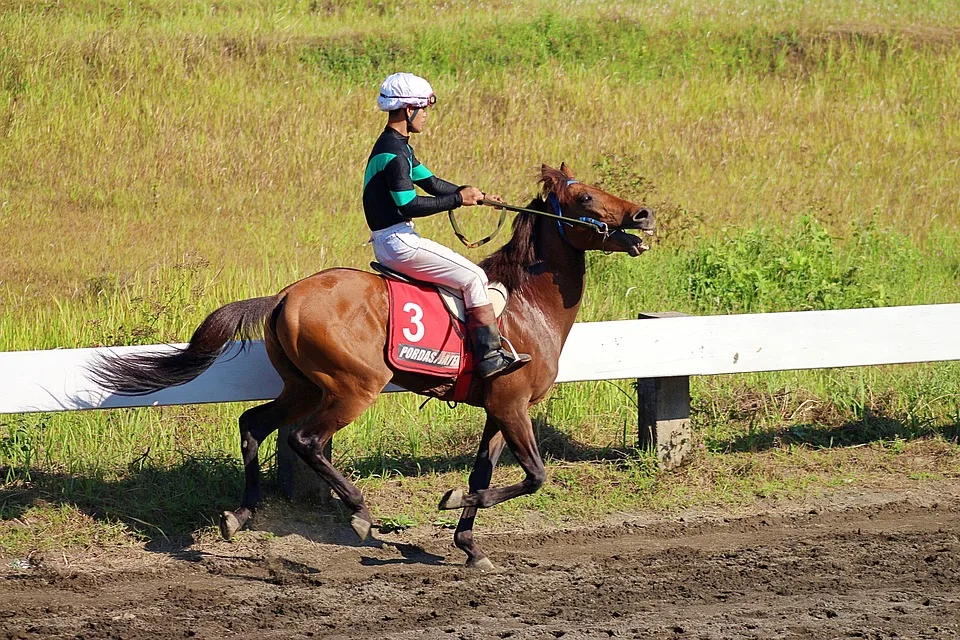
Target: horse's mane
(511, 263)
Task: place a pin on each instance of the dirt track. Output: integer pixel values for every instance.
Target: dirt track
(870, 566)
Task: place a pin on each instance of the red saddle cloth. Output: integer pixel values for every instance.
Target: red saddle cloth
(422, 336)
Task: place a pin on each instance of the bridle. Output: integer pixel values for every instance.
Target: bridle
(562, 220)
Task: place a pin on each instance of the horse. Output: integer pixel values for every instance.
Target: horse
(325, 336)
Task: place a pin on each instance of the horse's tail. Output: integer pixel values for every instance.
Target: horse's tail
(140, 374)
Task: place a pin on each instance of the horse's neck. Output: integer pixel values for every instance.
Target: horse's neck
(558, 277)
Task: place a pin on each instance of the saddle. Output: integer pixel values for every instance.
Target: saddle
(452, 298)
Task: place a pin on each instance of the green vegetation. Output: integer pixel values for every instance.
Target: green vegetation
(160, 158)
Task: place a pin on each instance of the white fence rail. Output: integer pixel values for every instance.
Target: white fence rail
(56, 380)
(667, 350)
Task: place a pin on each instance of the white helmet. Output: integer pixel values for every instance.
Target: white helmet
(401, 90)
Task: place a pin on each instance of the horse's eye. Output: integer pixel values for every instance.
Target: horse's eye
(585, 198)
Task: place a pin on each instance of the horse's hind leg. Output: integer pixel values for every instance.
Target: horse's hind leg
(309, 439)
(255, 425)
(491, 446)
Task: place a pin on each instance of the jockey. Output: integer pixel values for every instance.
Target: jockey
(390, 202)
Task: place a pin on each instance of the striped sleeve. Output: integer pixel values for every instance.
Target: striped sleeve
(430, 183)
(399, 175)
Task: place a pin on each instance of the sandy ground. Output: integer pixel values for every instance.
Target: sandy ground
(866, 565)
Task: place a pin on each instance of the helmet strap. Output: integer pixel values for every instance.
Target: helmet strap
(410, 119)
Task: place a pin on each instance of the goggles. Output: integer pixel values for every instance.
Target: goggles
(430, 100)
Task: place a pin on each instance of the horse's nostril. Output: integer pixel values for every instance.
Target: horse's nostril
(642, 215)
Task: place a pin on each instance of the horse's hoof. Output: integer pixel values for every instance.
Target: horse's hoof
(452, 499)
(229, 525)
(483, 564)
(361, 527)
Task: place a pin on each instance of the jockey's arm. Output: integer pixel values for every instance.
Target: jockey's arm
(436, 186)
(421, 206)
(400, 181)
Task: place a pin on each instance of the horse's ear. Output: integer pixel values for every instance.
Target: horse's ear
(551, 179)
(566, 170)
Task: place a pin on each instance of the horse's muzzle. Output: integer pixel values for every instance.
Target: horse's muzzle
(641, 220)
(644, 221)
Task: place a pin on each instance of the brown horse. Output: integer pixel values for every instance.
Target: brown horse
(325, 336)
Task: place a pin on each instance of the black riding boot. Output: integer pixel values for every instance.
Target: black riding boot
(488, 352)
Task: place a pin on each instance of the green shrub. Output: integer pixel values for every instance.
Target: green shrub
(801, 268)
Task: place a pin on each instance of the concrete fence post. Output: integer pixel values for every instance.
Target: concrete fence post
(663, 413)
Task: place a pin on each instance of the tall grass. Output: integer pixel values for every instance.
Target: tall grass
(147, 132)
(161, 158)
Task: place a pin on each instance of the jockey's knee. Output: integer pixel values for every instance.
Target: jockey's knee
(483, 276)
(475, 293)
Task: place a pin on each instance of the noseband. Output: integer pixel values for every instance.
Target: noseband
(563, 221)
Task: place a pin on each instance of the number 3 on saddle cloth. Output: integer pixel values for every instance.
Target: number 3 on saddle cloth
(426, 330)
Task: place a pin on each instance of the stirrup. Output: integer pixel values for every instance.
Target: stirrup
(501, 361)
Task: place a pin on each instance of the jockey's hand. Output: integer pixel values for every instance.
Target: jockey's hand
(491, 198)
(471, 196)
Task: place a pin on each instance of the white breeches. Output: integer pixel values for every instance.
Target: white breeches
(402, 249)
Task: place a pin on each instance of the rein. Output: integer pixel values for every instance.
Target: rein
(479, 243)
(596, 225)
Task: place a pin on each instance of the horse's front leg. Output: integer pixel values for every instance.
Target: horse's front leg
(491, 445)
(517, 429)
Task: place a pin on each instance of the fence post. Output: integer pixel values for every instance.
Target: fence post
(663, 412)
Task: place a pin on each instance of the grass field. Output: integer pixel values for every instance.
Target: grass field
(161, 158)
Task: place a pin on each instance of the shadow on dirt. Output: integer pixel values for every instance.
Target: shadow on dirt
(410, 554)
(553, 444)
(170, 506)
(852, 433)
